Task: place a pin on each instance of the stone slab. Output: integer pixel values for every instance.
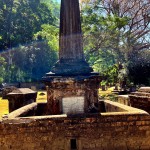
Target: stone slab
(73, 105)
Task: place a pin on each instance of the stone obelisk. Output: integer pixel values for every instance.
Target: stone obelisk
(72, 87)
(71, 56)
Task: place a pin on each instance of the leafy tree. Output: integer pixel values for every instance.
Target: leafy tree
(139, 67)
(30, 62)
(50, 33)
(21, 23)
(54, 6)
(136, 32)
(101, 41)
(21, 19)
(119, 27)
(2, 69)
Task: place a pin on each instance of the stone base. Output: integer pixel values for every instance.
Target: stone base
(71, 67)
(71, 95)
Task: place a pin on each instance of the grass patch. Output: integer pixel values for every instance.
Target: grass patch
(41, 96)
(3, 107)
(108, 95)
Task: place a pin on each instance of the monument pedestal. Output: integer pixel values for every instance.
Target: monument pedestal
(68, 67)
(71, 95)
(72, 88)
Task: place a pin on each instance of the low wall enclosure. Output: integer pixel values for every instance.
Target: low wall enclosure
(73, 118)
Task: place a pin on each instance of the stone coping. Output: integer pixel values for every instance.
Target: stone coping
(126, 96)
(64, 119)
(21, 110)
(140, 96)
(13, 117)
(144, 89)
(71, 79)
(124, 107)
(22, 91)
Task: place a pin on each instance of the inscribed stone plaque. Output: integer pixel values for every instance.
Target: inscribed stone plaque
(73, 105)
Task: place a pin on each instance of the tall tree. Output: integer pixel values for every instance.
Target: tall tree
(130, 19)
(136, 33)
(21, 19)
(30, 62)
(20, 22)
(2, 69)
(121, 27)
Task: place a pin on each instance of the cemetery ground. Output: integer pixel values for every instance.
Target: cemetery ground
(42, 96)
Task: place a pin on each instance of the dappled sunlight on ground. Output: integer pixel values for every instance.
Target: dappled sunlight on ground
(42, 96)
(108, 91)
(3, 107)
(108, 94)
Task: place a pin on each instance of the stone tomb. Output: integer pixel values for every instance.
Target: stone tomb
(141, 99)
(21, 97)
(120, 128)
(72, 88)
(71, 95)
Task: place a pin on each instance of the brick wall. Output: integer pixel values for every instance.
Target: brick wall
(141, 102)
(100, 132)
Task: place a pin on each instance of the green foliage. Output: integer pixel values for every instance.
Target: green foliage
(2, 69)
(103, 32)
(54, 6)
(101, 44)
(103, 82)
(21, 19)
(31, 62)
(113, 22)
(50, 33)
(139, 67)
(117, 30)
(24, 26)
